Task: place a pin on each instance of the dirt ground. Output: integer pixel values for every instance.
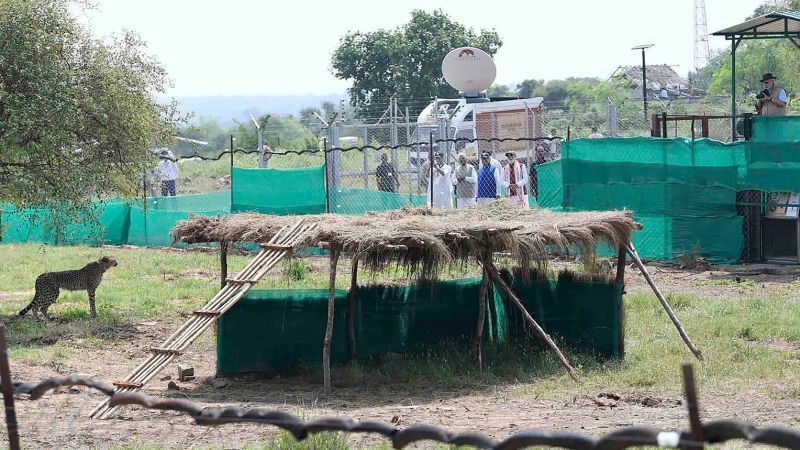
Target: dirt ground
(60, 419)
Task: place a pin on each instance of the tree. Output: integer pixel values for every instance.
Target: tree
(527, 88)
(499, 90)
(77, 116)
(775, 6)
(404, 62)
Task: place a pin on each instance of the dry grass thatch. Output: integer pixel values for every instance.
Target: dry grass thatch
(425, 240)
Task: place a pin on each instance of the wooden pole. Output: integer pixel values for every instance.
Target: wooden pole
(326, 346)
(8, 393)
(223, 263)
(492, 270)
(482, 293)
(690, 391)
(352, 301)
(667, 308)
(621, 312)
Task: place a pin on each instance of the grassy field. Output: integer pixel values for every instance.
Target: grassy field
(749, 332)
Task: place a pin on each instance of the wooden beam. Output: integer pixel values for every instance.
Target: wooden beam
(498, 280)
(326, 344)
(621, 312)
(482, 292)
(223, 263)
(352, 299)
(667, 308)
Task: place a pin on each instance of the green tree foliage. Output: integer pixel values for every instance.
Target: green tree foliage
(528, 88)
(77, 115)
(500, 90)
(405, 61)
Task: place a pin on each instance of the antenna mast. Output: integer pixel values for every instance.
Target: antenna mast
(701, 54)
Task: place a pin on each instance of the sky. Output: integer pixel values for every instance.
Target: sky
(256, 47)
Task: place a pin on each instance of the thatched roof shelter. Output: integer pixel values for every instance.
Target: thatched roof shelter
(424, 240)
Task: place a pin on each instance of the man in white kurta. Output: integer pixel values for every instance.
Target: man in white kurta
(465, 180)
(515, 180)
(442, 185)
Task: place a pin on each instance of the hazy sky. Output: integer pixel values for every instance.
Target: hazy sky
(284, 47)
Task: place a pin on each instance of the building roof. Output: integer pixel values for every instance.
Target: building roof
(658, 76)
(772, 25)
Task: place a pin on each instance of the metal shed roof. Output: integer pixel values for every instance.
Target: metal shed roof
(769, 26)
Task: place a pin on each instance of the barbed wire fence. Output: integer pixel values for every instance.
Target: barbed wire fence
(700, 433)
(398, 131)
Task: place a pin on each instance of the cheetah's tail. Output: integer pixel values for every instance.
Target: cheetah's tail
(26, 309)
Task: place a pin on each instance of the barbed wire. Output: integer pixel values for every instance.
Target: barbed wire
(713, 432)
(368, 147)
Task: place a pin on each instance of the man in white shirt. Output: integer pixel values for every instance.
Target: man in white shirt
(515, 180)
(465, 180)
(442, 186)
(169, 173)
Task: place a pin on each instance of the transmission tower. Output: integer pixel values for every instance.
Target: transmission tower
(701, 54)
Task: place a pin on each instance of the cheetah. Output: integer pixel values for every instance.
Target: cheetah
(48, 284)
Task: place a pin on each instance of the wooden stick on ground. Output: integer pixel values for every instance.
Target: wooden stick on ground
(489, 266)
(352, 299)
(670, 313)
(326, 345)
(8, 393)
(482, 293)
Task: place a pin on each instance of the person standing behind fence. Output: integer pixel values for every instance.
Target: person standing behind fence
(489, 180)
(772, 100)
(442, 186)
(595, 134)
(386, 175)
(515, 180)
(465, 179)
(169, 173)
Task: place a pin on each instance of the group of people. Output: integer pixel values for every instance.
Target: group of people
(477, 186)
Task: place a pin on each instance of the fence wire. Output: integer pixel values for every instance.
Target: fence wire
(713, 432)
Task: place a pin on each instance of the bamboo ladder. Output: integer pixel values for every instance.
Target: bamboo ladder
(235, 288)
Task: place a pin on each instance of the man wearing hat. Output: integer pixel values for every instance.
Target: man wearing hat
(169, 173)
(441, 186)
(772, 100)
(489, 180)
(515, 180)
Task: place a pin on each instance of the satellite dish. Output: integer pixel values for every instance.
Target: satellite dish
(468, 69)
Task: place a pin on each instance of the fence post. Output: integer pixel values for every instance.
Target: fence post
(664, 125)
(365, 154)
(325, 167)
(408, 152)
(393, 131)
(8, 393)
(230, 170)
(430, 163)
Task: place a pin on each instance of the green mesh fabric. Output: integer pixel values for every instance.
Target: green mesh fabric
(36, 225)
(551, 193)
(682, 191)
(775, 129)
(274, 330)
(278, 191)
(346, 200)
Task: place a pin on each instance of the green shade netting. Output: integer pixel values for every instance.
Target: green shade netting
(278, 191)
(346, 200)
(273, 330)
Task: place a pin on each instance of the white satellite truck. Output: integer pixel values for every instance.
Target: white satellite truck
(474, 116)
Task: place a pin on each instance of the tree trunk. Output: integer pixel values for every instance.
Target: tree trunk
(482, 292)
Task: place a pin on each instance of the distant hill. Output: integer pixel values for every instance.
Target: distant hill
(226, 108)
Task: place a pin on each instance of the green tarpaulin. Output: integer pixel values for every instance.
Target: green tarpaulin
(274, 330)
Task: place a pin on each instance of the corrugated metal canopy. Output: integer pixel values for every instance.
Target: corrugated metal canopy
(773, 25)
